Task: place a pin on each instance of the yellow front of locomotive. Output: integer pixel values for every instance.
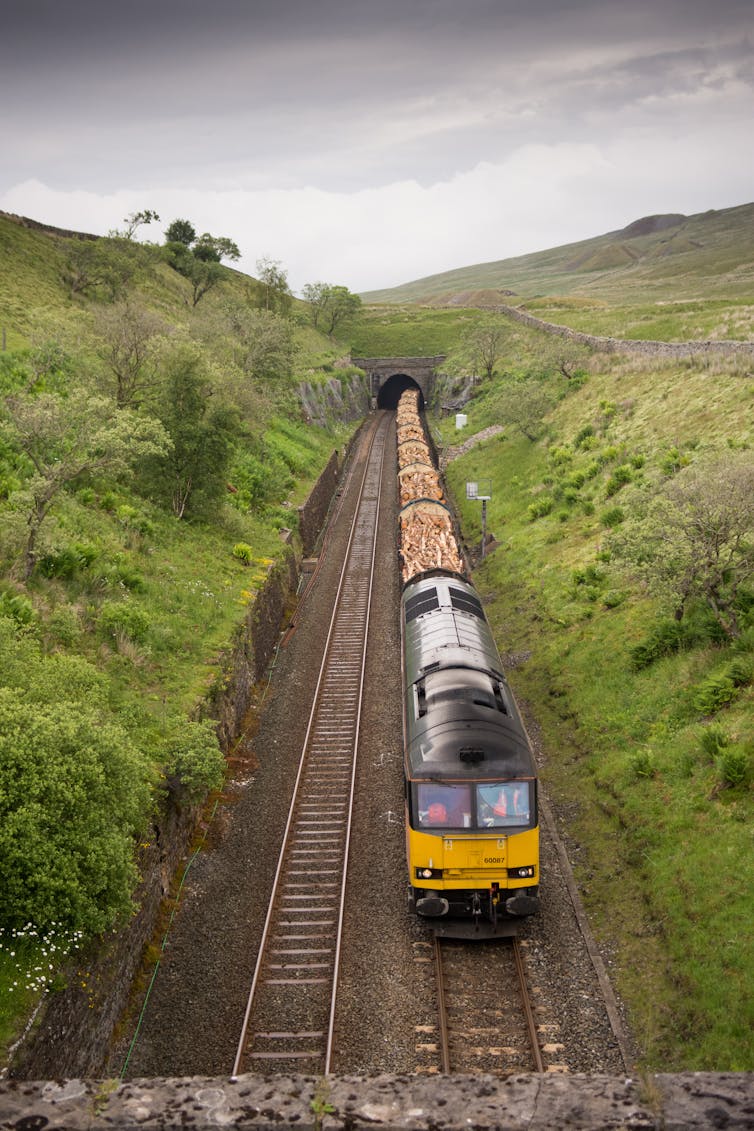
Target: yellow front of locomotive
(471, 789)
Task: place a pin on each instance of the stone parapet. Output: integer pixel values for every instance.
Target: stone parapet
(384, 1103)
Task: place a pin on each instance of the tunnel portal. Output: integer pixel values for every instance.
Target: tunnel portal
(390, 393)
(391, 376)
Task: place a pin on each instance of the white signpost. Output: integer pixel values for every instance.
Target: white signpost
(481, 489)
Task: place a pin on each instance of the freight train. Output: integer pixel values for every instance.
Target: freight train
(472, 832)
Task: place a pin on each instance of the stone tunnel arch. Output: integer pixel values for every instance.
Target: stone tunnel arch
(390, 393)
(388, 377)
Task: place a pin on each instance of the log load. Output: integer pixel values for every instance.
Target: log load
(419, 481)
(413, 451)
(428, 541)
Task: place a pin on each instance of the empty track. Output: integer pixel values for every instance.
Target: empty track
(290, 1012)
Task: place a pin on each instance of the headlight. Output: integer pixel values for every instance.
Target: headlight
(428, 873)
(524, 873)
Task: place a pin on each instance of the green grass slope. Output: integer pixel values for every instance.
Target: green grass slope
(647, 744)
(111, 643)
(694, 258)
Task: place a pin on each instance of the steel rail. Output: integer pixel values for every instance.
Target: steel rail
(531, 1023)
(338, 668)
(487, 972)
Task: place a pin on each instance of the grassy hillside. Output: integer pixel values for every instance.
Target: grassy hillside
(156, 449)
(646, 727)
(696, 260)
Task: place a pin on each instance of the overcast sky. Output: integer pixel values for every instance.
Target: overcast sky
(372, 143)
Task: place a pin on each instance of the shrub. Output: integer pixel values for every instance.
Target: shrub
(619, 478)
(244, 552)
(642, 765)
(613, 516)
(540, 508)
(665, 639)
(76, 790)
(741, 670)
(124, 618)
(63, 626)
(734, 766)
(714, 692)
(613, 598)
(191, 754)
(713, 739)
(583, 434)
(669, 636)
(560, 456)
(16, 607)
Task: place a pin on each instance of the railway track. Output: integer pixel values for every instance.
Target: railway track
(290, 1012)
(484, 1025)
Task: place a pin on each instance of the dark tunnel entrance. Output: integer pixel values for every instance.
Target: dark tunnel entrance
(390, 392)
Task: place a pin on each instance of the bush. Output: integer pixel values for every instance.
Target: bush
(75, 791)
(642, 764)
(124, 618)
(612, 517)
(244, 552)
(69, 561)
(713, 739)
(734, 766)
(16, 608)
(63, 626)
(741, 670)
(191, 754)
(540, 508)
(714, 692)
(619, 478)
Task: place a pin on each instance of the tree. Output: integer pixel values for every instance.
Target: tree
(696, 539)
(266, 344)
(330, 305)
(129, 333)
(198, 260)
(181, 231)
(190, 476)
(525, 404)
(212, 249)
(135, 221)
(97, 265)
(484, 345)
(270, 290)
(66, 437)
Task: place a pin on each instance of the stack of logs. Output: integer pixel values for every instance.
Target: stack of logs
(427, 539)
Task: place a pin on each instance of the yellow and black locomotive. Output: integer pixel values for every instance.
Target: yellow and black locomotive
(471, 784)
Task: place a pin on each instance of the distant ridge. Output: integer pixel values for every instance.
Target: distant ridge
(700, 256)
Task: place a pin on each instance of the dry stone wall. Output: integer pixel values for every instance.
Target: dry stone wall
(628, 345)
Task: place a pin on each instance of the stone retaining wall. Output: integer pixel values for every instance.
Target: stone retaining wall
(311, 515)
(628, 345)
(689, 1102)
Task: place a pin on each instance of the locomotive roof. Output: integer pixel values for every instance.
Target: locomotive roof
(461, 718)
(445, 626)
